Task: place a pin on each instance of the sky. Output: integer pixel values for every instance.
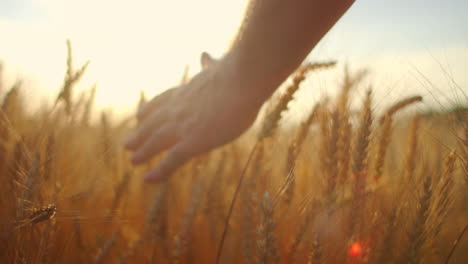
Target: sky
(410, 47)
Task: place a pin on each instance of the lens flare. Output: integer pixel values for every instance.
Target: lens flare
(355, 249)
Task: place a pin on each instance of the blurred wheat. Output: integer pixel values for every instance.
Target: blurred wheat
(371, 187)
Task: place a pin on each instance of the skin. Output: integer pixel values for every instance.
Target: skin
(223, 100)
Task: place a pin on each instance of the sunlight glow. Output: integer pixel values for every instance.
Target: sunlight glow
(144, 45)
(355, 249)
(132, 46)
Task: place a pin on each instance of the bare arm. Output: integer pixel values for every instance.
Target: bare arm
(223, 100)
(278, 35)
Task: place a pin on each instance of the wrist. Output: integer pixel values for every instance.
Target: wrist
(246, 79)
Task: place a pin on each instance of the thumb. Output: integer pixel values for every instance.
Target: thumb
(206, 60)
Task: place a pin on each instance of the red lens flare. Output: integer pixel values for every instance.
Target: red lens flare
(355, 249)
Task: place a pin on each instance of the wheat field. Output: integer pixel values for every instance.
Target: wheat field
(343, 186)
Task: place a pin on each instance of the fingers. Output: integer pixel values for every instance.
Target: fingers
(146, 109)
(158, 142)
(175, 158)
(135, 140)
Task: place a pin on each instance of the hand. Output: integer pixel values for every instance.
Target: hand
(207, 112)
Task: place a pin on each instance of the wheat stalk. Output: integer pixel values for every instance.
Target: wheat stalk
(386, 122)
(182, 239)
(410, 160)
(418, 234)
(104, 252)
(266, 242)
(360, 164)
(72, 77)
(315, 255)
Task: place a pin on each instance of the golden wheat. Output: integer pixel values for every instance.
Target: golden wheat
(336, 188)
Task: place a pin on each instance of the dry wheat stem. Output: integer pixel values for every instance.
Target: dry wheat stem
(231, 207)
(455, 244)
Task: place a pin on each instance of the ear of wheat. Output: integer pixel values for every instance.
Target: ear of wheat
(346, 185)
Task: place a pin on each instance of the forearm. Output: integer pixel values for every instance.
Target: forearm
(277, 36)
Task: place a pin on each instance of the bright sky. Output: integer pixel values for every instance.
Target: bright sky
(145, 45)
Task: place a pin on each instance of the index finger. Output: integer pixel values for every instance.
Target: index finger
(155, 103)
(175, 158)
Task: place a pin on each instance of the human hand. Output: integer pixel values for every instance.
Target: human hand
(209, 111)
